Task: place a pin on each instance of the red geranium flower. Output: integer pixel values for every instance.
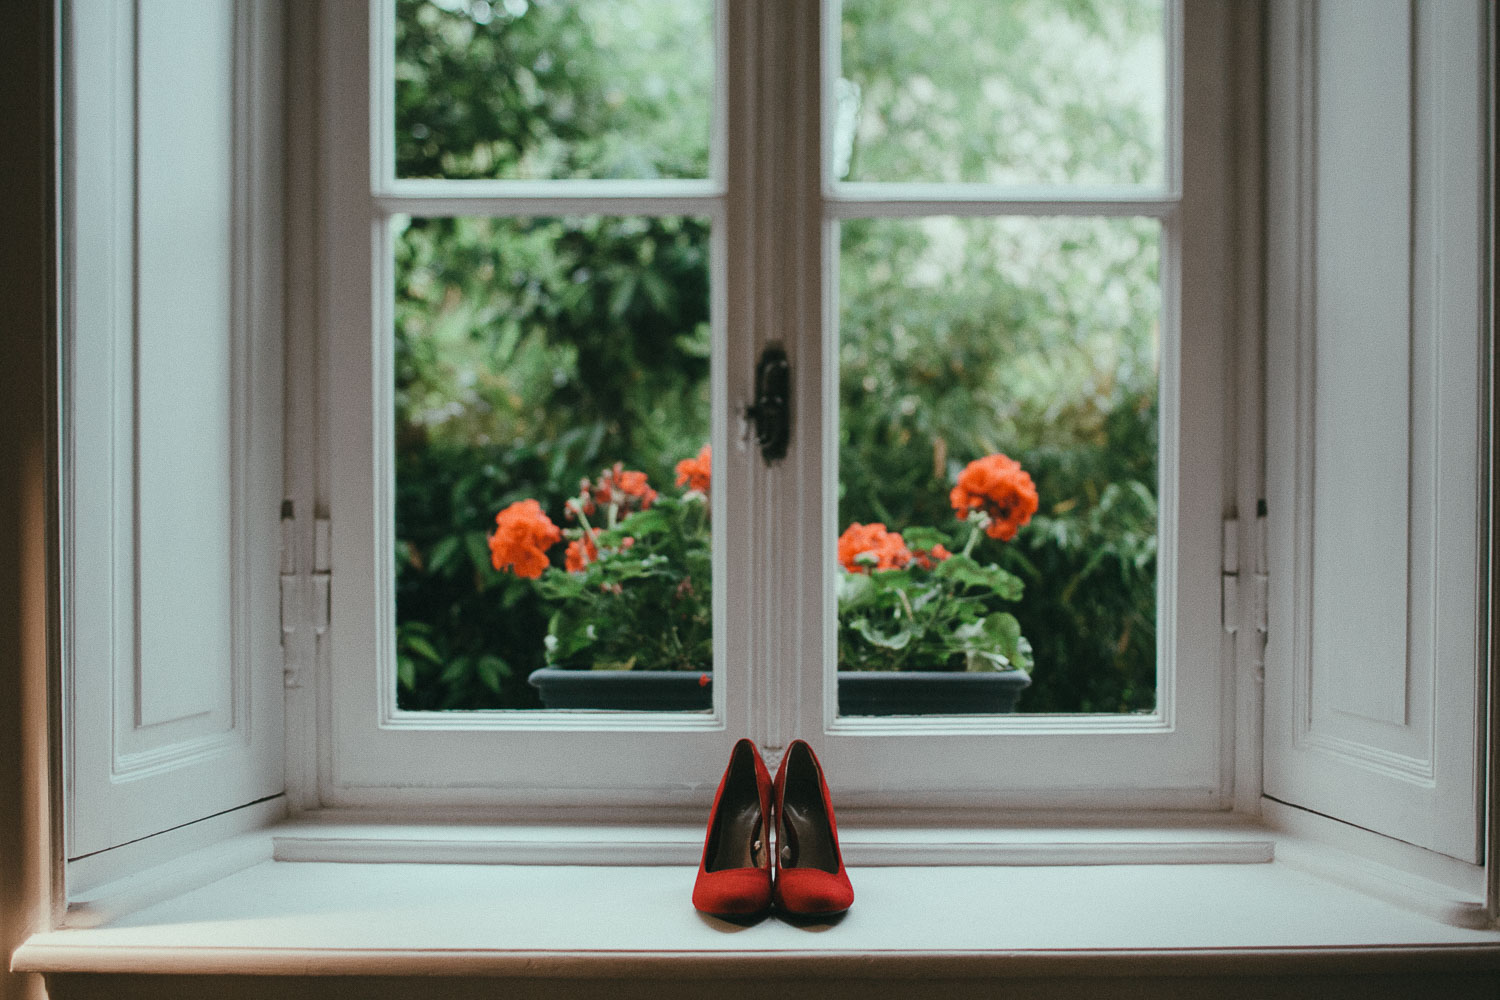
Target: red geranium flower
(888, 547)
(695, 472)
(626, 488)
(997, 485)
(523, 533)
(927, 558)
(581, 552)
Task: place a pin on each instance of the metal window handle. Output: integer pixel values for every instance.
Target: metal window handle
(771, 412)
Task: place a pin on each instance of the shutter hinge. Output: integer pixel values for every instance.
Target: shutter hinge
(322, 546)
(1260, 610)
(304, 599)
(1229, 609)
(1229, 592)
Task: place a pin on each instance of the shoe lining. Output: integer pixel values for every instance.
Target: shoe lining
(806, 834)
(736, 840)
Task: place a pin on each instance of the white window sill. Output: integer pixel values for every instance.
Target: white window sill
(480, 904)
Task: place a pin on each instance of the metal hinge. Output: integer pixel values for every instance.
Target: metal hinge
(1229, 591)
(1230, 609)
(1261, 594)
(302, 606)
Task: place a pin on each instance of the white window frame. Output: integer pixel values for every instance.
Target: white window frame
(1381, 865)
(371, 754)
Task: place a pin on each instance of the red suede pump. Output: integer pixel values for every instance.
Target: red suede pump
(734, 877)
(810, 876)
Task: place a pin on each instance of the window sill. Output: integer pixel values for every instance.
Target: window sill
(1060, 904)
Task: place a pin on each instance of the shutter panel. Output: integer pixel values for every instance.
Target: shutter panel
(1375, 395)
(172, 414)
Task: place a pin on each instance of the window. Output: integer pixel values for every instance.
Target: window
(778, 217)
(1375, 346)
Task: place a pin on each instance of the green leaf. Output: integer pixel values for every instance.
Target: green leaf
(855, 590)
(443, 553)
(645, 523)
(513, 592)
(964, 570)
(924, 539)
(477, 543)
(561, 586)
(657, 290)
(621, 297)
(490, 669)
(406, 672)
(892, 580)
(897, 640)
(696, 344)
(420, 646)
(1003, 633)
(573, 635)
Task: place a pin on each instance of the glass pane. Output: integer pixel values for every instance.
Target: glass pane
(1022, 92)
(547, 90)
(552, 414)
(997, 463)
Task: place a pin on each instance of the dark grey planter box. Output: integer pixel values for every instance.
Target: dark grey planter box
(934, 692)
(624, 690)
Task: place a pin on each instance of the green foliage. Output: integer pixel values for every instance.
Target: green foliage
(553, 90)
(642, 604)
(944, 617)
(1022, 92)
(485, 627)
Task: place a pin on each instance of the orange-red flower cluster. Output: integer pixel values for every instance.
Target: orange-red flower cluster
(888, 548)
(927, 558)
(618, 485)
(997, 485)
(523, 533)
(583, 550)
(695, 472)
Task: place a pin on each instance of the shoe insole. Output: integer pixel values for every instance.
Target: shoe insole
(737, 842)
(806, 834)
(737, 839)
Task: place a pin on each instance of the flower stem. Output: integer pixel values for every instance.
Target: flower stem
(973, 537)
(906, 604)
(583, 519)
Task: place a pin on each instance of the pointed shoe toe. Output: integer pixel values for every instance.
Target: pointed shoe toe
(809, 892)
(737, 892)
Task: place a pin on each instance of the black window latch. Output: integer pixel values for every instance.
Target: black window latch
(772, 410)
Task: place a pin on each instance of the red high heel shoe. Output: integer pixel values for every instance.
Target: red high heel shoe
(810, 876)
(734, 877)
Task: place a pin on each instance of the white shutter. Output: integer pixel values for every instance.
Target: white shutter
(171, 413)
(1375, 391)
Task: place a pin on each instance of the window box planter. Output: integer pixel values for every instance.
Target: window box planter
(625, 690)
(930, 692)
(935, 692)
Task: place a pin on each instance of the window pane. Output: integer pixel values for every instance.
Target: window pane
(546, 90)
(1006, 367)
(551, 378)
(1023, 92)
